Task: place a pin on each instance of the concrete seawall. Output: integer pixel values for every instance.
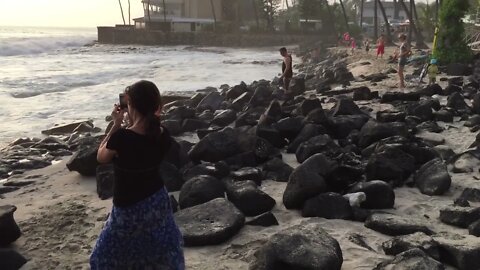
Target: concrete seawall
(112, 35)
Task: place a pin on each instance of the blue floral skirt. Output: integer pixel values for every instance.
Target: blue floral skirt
(142, 236)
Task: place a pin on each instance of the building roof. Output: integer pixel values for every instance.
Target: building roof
(175, 20)
(386, 4)
(160, 2)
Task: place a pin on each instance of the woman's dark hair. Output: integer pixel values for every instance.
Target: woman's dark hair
(145, 97)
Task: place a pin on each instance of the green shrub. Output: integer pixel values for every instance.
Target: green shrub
(451, 46)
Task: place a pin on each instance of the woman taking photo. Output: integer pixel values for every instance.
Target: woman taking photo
(141, 232)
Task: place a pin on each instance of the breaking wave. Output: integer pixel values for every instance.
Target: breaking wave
(38, 45)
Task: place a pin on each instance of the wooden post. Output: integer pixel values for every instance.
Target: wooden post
(148, 13)
(164, 11)
(121, 9)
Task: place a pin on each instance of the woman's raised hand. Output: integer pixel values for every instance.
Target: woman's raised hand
(117, 115)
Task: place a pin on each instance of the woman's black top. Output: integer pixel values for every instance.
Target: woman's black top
(137, 163)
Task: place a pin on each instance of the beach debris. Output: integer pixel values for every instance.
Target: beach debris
(211, 223)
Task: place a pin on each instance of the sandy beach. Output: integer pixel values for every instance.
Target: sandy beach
(60, 214)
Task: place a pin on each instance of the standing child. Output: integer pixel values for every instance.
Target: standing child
(366, 43)
(432, 71)
(354, 45)
(381, 46)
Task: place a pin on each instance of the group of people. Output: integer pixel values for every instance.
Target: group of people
(140, 232)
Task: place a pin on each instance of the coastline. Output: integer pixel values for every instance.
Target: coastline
(60, 214)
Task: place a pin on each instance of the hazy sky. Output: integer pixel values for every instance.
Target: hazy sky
(69, 13)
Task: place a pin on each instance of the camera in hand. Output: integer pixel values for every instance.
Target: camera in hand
(123, 101)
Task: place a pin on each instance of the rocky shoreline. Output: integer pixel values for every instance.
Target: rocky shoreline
(340, 173)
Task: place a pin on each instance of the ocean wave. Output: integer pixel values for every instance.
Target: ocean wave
(38, 45)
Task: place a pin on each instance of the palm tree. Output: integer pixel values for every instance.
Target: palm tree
(387, 24)
(129, 13)
(361, 12)
(164, 11)
(375, 19)
(214, 15)
(148, 12)
(418, 34)
(344, 14)
(121, 9)
(255, 12)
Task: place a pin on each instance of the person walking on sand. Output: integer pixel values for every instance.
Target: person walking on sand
(140, 232)
(381, 46)
(403, 54)
(354, 45)
(287, 69)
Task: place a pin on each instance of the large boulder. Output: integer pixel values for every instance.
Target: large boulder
(211, 223)
(84, 161)
(308, 131)
(216, 146)
(11, 260)
(379, 194)
(318, 144)
(306, 246)
(309, 105)
(346, 106)
(460, 251)
(394, 225)
(289, 127)
(390, 164)
(218, 170)
(373, 131)
(264, 220)
(459, 216)
(433, 178)
(171, 177)
(277, 170)
(247, 197)
(419, 240)
(307, 181)
(399, 96)
(105, 179)
(224, 118)
(471, 194)
(261, 96)
(9, 231)
(248, 173)
(410, 260)
(342, 126)
(328, 205)
(212, 102)
(457, 102)
(200, 189)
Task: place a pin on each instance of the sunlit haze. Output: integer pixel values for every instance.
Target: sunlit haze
(61, 13)
(68, 13)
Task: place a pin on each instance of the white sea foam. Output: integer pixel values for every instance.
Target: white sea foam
(53, 78)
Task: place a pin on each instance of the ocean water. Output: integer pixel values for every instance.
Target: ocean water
(56, 76)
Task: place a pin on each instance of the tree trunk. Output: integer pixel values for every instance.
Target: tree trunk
(214, 15)
(375, 20)
(361, 13)
(255, 12)
(331, 16)
(437, 7)
(286, 2)
(396, 10)
(121, 10)
(129, 13)
(387, 24)
(164, 11)
(148, 13)
(344, 15)
(420, 42)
